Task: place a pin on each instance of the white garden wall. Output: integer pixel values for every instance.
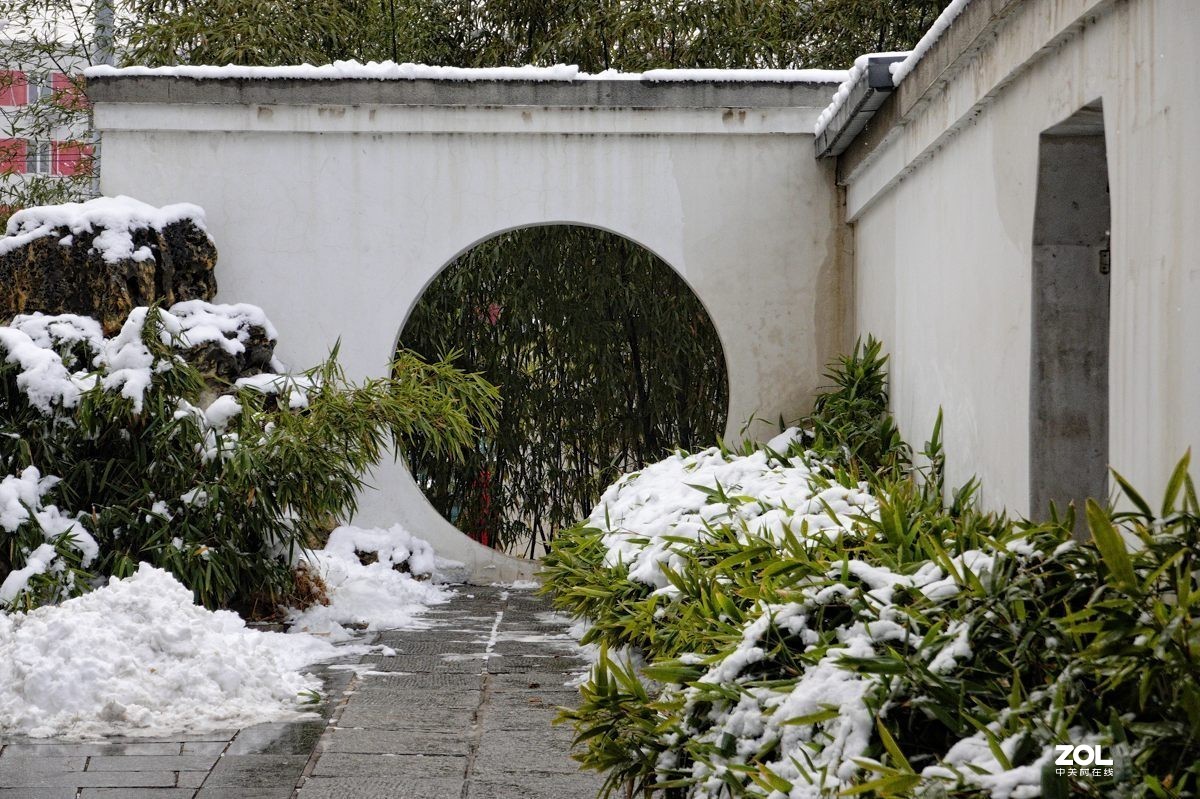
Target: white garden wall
(943, 207)
(335, 203)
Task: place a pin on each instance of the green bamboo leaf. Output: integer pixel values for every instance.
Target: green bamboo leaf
(1112, 547)
(889, 743)
(1175, 484)
(771, 781)
(885, 786)
(1132, 494)
(828, 714)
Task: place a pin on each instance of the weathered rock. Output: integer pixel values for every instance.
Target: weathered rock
(219, 361)
(104, 258)
(221, 368)
(225, 342)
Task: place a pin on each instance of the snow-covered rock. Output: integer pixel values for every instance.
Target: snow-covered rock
(103, 258)
(61, 356)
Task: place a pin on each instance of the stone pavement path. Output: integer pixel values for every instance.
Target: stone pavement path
(460, 711)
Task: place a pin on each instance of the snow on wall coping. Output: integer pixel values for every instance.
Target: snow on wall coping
(725, 75)
(389, 70)
(843, 91)
(118, 216)
(901, 69)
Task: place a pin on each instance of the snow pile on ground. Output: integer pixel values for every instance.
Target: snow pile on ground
(118, 216)
(392, 547)
(138, 657)
(651, 515)
(379, 595)
(389, 70)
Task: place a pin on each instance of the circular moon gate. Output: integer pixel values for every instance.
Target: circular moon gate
(605, 358)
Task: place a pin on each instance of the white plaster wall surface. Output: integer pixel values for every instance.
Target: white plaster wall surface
(944, 235)
(336, 234)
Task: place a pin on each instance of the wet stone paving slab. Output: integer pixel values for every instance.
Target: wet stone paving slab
(462, 710)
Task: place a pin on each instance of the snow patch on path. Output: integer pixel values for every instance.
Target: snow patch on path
(139, 658)
(376, 596)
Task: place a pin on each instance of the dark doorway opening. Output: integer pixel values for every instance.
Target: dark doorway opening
(1069, 382)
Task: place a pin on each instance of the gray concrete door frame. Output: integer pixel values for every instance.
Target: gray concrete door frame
(1069, 404)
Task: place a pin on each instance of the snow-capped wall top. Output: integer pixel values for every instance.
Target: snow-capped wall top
(118, 216)
(725, 75)
(389, 70)
(901, 69)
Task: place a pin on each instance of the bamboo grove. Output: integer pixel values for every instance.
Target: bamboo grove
(605, 360)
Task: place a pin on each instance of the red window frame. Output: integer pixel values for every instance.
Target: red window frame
(14, 87)
(12, 156)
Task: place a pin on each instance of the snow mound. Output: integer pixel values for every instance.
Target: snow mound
(649, 515)
(118, 216)
(138, 657)
(392, 547)
(377, 596)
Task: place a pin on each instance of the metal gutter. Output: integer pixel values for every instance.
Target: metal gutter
(867, 94)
